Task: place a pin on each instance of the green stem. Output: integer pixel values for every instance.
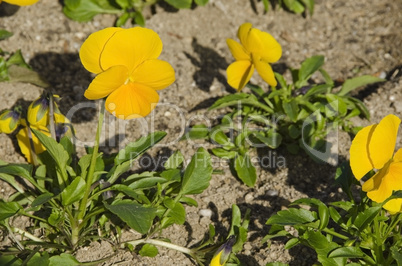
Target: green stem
(378, 242)
(90, 174)
(162, 244)
(51, 117)
(33, 217)
(326, 230)
(395, 221)
(26, 234)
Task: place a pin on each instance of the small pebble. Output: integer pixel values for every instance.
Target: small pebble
(249, 197)
(392, 98)
(167, 113)
(205, 213)
(272, 193)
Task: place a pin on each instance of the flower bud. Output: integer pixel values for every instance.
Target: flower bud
(38, 110)
(222, 254)
(9, 120)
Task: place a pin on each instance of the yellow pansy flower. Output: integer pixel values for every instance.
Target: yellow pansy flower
(373, 148)
(20, 2)
(222, 254)
(9, 121)
(128, 71)
(255, 51)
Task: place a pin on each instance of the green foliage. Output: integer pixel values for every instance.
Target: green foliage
(299, 115)
(295, 6)
(14, 68)
(80, 194)
(343, 232)
(85, 10)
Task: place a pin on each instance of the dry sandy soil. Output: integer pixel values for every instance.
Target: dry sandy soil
(356, 38)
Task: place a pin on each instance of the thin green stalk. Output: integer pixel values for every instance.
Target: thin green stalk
(395, 221)
(162, 244)
(51, 117)
(326, 230)
(90, 174)
(26, 234)
(378, 242)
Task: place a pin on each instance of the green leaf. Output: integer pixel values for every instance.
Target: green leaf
(222, 153)
(139, 19)
(294, 6)
(200, 131)
(8, 209)
(177, 212)
(179, 3)
(308, 67)
(85, 10)
(346, 252)
(345, 178)
(10, 260)
(323, 246)
(272, 140)
(23, 74)
(63, 259)
(266, 5)
(219, 137)
(39, 259)
(74, 191)
(135, 149)
(148, 250)
(175, 161)
(5, 34)
(41, 199)
(362, 107)
(245, 169)
(201, 2)
(291, 243)
(363, 219)
(56, 150)
(291, 216)
(397, 255)
(337, 104)
(136, 216)
(189, 201)
(198, 173)
(240, 99)
(310, 5)
(291, 109)
(354, 83)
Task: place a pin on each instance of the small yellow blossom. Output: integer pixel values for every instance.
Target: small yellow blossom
(255, 51)
(128, 71)
(373, 149)
(38, 111)
(20, 2)
(9, 121)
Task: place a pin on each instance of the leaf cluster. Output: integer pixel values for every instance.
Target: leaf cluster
(56, 196)
(342, 232)
(296, 6)
(298, 115)
(85, 10)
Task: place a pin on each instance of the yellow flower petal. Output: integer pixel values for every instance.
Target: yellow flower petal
(154, 73)
(131, 47)
(253, 43)
(25, 144)
(359, 156)
(393, 206)
(375, 182)
(239, 74)
(132, 100)
(106, 82)
(243, 32)
(382, 142)
(398, 156)
(21, 2)
(92, 49)
(265, 71)
(272, 50)
(237, 50)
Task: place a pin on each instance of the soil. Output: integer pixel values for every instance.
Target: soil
(356, 38)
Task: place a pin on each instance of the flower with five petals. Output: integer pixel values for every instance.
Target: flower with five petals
(128, 71)
(373, 148)
(255, 51)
